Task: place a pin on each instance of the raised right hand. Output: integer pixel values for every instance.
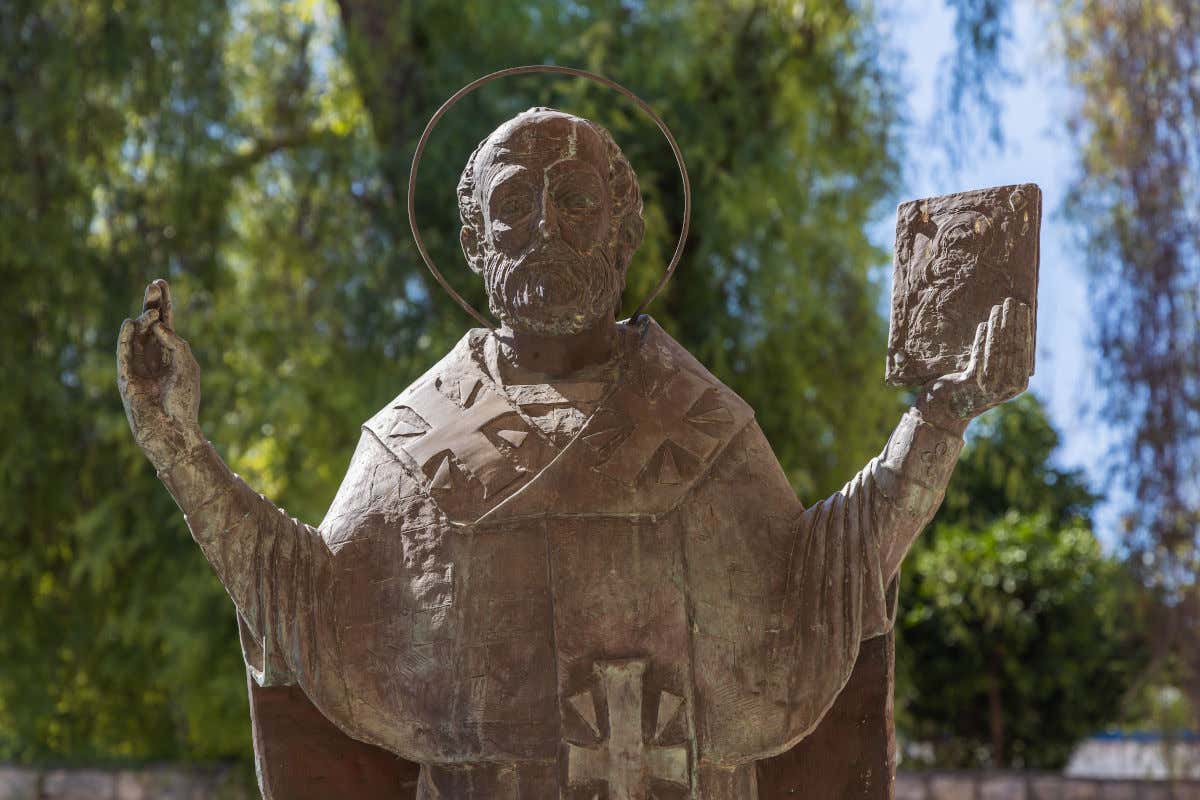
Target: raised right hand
(159, 381)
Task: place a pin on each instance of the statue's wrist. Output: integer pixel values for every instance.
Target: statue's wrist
(917, 461)
(179, 444)
(197, 476)
(937, 415)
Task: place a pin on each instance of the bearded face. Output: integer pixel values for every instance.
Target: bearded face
(960, 242)
(544, 235)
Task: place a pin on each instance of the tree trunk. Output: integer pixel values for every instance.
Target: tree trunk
(386, 54)
(996, 712)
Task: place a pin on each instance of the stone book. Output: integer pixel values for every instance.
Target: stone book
(956, 257)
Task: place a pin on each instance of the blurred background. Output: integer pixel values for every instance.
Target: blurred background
(255, 153)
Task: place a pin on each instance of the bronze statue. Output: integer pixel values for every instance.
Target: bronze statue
(565, 562)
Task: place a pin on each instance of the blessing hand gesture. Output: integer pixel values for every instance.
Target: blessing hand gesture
(159, 380)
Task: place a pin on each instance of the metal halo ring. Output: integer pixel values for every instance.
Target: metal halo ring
(523, 70)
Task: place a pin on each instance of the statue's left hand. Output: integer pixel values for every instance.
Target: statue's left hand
(1001, 361)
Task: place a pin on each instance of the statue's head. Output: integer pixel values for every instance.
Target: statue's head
(551, 214)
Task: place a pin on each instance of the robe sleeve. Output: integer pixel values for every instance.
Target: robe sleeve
(269, 563)
(848, 549)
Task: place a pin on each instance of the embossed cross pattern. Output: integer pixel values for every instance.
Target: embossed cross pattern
(458, 427)
(660, 426)
(624, 761)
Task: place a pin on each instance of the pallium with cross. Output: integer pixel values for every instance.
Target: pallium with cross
(624, 761)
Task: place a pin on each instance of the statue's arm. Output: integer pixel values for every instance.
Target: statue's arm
(843, 558)
(848, 547)
(901, 489)
(894, 497)
(266, 560)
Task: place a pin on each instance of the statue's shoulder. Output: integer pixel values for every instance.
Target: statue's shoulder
(383, 493)
(378, 481)
(654, 432)
(655, 360)
(394, 419)
(660, 359)
(458, 435)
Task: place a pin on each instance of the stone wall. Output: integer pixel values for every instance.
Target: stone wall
(1136, 756)
(220, 783)
(158, 783)
(1034, 786)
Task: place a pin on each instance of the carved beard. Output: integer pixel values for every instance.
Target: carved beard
(552, 289)
(950, 271)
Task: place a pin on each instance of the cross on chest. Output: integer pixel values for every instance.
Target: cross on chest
(458, 427)
(660, 420)
(624, 761)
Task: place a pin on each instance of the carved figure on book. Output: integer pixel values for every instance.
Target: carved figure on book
(956, 257)
(564, 562)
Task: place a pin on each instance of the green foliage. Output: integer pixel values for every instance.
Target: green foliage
(787, 122)
(115, 638)
(228, 147)
(1009, 464)
(975, 72)
(1019, 636)
(1023, 616)
(1134, 203)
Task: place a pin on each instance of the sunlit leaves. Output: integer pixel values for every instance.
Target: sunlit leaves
(786, 121)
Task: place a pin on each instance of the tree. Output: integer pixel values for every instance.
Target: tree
(1018, 640)
(788, 128)
(1009, 464)
(1018, 635)
(1135, 204)
(206, 147)
(107, 171)
(230, 148)
(975, 73)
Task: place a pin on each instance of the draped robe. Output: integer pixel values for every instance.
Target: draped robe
(643, 609)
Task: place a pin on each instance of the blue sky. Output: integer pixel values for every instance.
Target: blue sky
(1036, 150)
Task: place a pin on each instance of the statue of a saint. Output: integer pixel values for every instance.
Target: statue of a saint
(565, 562)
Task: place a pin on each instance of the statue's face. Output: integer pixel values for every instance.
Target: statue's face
(960, 242)
(546, 245)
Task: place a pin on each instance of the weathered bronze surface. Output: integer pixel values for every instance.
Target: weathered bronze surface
(565, 562)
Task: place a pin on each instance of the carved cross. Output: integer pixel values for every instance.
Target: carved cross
(458, 427)
(625, 762)
(662, 420)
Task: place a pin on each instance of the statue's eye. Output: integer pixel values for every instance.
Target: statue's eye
(514, 206)
(579, 201)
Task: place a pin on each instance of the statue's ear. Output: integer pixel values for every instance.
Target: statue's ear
(629, 239)
(469, 238)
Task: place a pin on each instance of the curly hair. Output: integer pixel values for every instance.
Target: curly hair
(625, 227)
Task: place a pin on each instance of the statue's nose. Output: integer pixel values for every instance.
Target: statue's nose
(548, 224)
